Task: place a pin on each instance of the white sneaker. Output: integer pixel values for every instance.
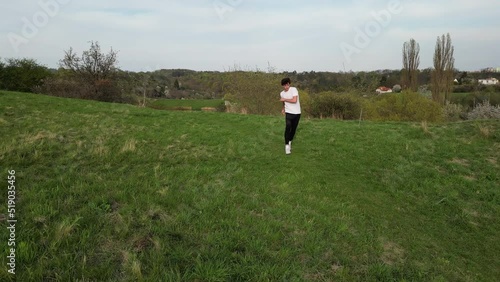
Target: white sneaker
(287, 149)
(290, 144)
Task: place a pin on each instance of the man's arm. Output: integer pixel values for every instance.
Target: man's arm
(293, 100)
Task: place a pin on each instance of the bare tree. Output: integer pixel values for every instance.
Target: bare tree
(144, 88)
(442, 74)
(94, 68)
(411, 62)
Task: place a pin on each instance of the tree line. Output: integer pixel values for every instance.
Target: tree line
(94, 75)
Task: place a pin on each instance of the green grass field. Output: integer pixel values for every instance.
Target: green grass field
(111, 192)
(189, 104)
(471, 99)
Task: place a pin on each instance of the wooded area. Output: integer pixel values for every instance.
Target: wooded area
(94, 75)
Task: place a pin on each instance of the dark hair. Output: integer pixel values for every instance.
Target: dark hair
(285, 80)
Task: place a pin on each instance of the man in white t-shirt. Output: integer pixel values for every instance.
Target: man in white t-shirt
(291, 109)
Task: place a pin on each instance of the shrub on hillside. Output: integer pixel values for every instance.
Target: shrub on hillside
(425, 91)
(254, 92)
(94, 71)
(484, 111)
(305, 102)
(107, 91)
(338, 106)
(464, 88)
(454, 112)
(469, 100)
(221, 108)
(396, 88)
(61, 87)
(492, 94)
(104, 90)
(22, 75)
(407, 106)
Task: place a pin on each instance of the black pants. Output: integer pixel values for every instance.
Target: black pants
(292, 121)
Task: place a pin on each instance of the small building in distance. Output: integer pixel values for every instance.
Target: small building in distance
(383, 89)
(488, 81)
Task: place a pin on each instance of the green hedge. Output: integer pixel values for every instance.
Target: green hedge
(407, 106)
(338, 106)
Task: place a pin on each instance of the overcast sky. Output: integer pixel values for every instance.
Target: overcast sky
(319, 35)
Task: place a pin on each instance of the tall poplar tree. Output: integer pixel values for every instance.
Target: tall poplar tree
(411, 62)
(442, 74)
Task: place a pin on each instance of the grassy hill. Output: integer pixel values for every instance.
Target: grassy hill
(113, 192)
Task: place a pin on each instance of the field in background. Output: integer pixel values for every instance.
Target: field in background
(188, 104)
(472, 99)
(115, 192)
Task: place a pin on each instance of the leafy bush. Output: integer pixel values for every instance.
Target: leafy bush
(338, 106)
(60, 87)
(305, 102)
(407, 106)
(95, 72)
(425, 91)
(464, 88)
(107, 91)
(104, 90)
(484, 111)
(221, 108)
(469, 100)
(453, 112)
(22, 75)
(254, 92)
(396, 88)
(489, 88)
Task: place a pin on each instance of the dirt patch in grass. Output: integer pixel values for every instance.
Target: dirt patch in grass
(493, 161)
(392, 254)
(208, 109)
(129, 146)
(143, 243)
(460, 162)
(31, 139)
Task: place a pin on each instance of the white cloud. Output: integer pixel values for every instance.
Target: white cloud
(291, 35)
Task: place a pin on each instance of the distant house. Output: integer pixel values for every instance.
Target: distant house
(383, 89)
(488, 81)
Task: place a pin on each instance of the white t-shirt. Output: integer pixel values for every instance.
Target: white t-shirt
(291, 108)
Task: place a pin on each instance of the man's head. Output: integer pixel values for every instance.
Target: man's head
(285, 82)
